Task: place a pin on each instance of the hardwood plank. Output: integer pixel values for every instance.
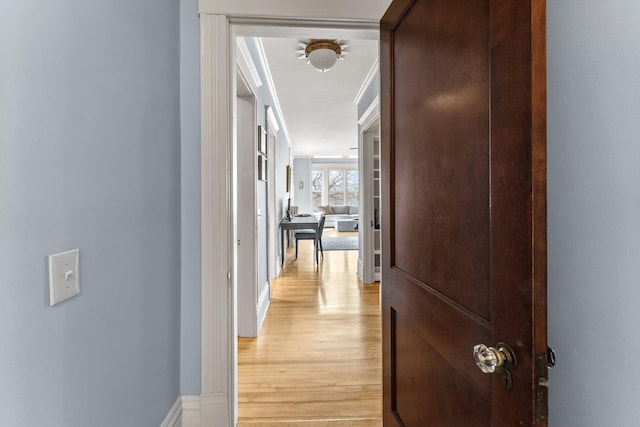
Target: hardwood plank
(318, 359)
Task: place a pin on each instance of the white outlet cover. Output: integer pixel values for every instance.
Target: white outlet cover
(64, 278)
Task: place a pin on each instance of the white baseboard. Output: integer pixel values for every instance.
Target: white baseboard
(174, 417)
(214, 410)
(198, 411)
(190, 411)
(263, 304)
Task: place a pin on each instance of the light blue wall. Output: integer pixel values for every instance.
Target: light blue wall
(262, 225)
(265, 97)
(302, 174)
(190, 346)
(190, 197)
(369, 95)
(90, 159)
(261, 186)
(283, 150)
(594, 211)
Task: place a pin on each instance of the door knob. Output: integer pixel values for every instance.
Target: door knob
(491, 359)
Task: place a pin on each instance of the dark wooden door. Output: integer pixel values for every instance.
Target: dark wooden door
(464, 220)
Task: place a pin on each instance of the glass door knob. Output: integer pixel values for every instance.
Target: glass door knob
(490, 359)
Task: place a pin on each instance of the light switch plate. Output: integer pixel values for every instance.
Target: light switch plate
(64, 280)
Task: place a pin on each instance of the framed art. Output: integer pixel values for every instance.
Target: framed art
(262, 167)
(262, 140)
(288, 178)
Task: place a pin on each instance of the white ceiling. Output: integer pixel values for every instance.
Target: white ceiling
(318, 108)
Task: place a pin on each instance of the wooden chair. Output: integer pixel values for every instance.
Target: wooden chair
(315, 235)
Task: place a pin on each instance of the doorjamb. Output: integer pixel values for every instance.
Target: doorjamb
(218, 400)
(273, 257)
(369, 123)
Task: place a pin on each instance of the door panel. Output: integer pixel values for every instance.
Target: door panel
(451, 331)
(430, 406)
(450, 94)
(464, 192)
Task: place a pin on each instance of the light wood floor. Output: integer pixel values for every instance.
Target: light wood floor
(317, 361)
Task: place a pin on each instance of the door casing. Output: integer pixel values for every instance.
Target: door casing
(218, 400)
(369, 129)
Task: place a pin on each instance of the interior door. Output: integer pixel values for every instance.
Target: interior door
(464, 193)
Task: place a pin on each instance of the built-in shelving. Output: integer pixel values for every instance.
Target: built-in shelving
(370, 260)
(377, 255)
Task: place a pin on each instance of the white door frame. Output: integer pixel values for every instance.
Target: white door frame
(369, 128)
(273, 257)
(220, 23)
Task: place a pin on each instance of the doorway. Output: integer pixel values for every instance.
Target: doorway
(219, 225)
(340, 317)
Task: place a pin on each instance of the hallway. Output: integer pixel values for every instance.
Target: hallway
(317, 361)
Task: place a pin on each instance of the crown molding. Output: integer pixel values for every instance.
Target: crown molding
(262, 60)
(271, 119)
(367, 81)
(246, 64)
(370, 114)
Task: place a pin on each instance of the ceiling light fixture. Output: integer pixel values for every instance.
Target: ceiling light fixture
(322, 54)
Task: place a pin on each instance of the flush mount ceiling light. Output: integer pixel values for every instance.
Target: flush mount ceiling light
(322, 54)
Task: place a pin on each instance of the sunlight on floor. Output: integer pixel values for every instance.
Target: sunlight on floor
(317, 361)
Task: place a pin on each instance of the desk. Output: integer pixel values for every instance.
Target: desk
(296, 223)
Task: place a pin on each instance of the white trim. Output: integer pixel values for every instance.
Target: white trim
(218, 338)
(262, 60)
(191, 411)
(174, 417)
(377, 275)
(366, 229)
(245, 62)
(370, 118)
(360, 263)
(371, 114)
(273, 255)
(296, 29)
(263, 304)
(362, 10)
(246, 209)
(271, 119)
(214, 410)
(185, 412)
(367, 81)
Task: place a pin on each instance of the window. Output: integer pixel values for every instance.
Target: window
(316, 188)
(353, 187)
(334, 185)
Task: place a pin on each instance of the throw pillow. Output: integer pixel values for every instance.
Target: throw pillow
(340, 209)
(325, 210)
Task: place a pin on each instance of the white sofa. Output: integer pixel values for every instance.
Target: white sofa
(338, 212)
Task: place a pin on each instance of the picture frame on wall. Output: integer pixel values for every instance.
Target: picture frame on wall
(262, 167)
(288, 179)
(262, 140)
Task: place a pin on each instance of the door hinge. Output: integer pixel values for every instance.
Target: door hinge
(542, 387)
(229, 277)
